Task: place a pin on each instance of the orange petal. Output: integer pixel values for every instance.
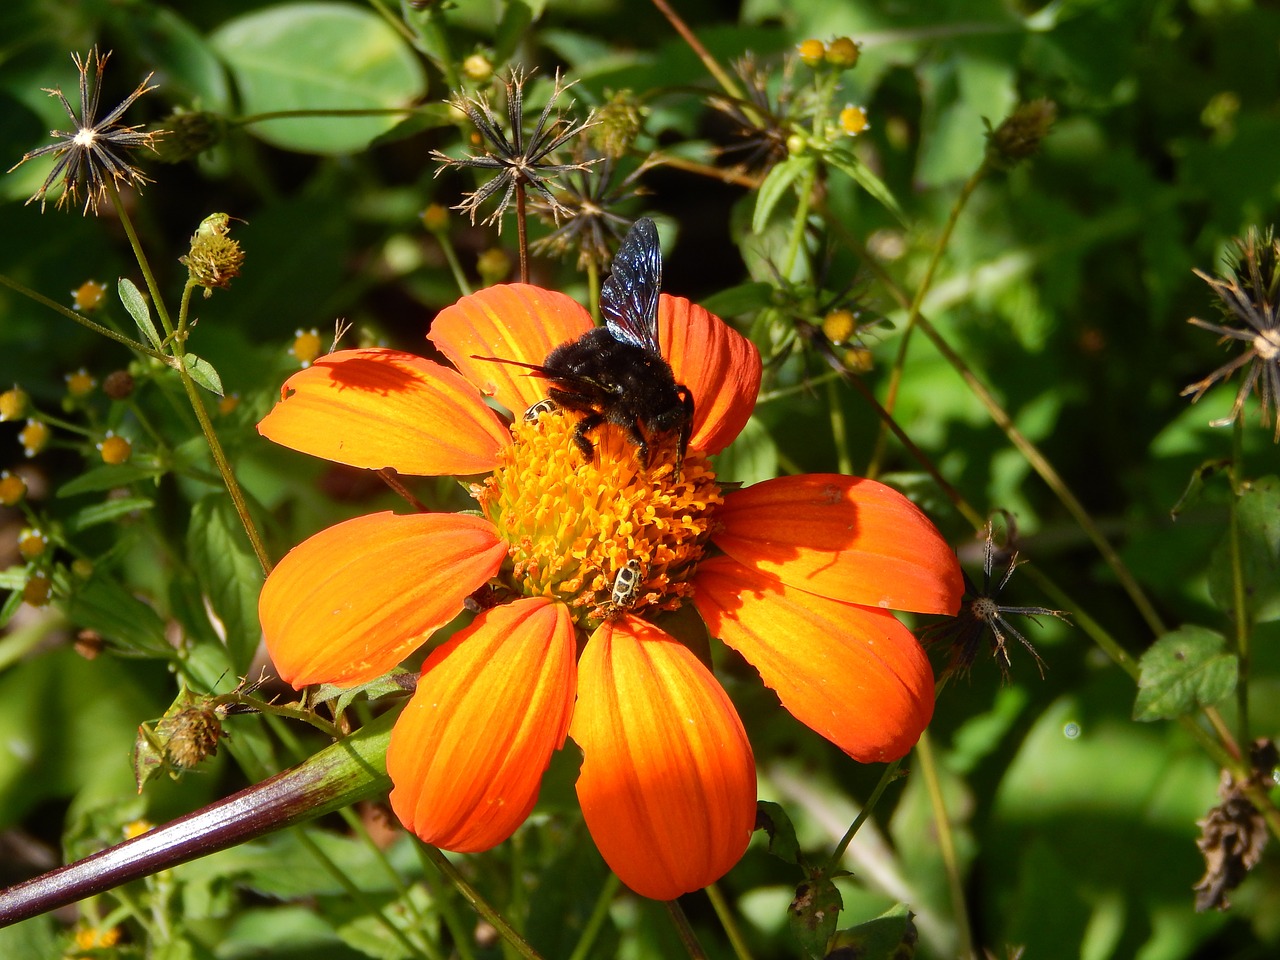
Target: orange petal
(853, 674)
(351, 602)
(468, 752)
(383, 408)
(513, 321)
(668, 784)
(842, 537)
(717, 363)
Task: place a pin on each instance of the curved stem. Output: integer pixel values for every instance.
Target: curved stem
(890, 774)
(608, 890)
(722, 77)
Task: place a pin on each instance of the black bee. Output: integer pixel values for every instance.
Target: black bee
(616, 373)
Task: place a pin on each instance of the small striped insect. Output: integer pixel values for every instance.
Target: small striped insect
(626, 585)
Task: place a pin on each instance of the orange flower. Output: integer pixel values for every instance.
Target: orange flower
(566, 550)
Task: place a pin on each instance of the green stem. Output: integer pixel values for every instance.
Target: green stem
(890, 774)
(946, 843)
(479, 904)
(804, 192)
(1239, 601)
(722, 77)
(684, 929)
(913, 311)
(839, 433)
(80, 318)
(443, 904)
(599, 913)
(736, 941)
(455, 265)
(393, 20)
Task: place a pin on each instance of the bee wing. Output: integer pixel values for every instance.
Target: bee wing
(629, 298)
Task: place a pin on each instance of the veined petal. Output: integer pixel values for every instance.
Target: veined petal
(853, 674)
(717, 363)
(668, 783)
(350, 603)
(515, 321)
(379, 408)
(842, 537)
(468, 753)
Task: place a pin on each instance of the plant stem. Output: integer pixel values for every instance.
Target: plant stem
(598, 914)
(1239, 602)
(890, 774)
(520, 230)
(481, 906)
(946, 844)
(79, 318)
(839, 433)
(727, 921)
(684, 929)
(722, 77)
(913, 311)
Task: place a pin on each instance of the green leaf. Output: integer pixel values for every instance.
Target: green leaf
(813, 915)
(744, 298)
(202, 372)
(105, 512)
(229, 573)
(319, 57)
(752, 457)
(512, 29)
(1258, 514)
(33, 939)
(108, 477)
(136, 304)
(856, 170)
(103, 605)
(775, 185)
(773, 820)
(890, 936)
(1186, 668)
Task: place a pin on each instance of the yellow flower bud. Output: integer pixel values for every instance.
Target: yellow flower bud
(493, 265)
(853, 120)
(13, 404)
(436, 218)
(839, 325)
(811, 52)
(88, 296)
(843, 53)
(34, 437)
(12, 488)
(80, 383)
(38, 591)
(477, 67)
(307, 347)
(82, 568)
(859, 359)
(32, 544)
(115, 450)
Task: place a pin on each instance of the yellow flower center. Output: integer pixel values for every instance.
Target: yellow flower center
(605, 537)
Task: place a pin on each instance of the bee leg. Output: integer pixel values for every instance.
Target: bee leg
(580, 439)
(637, 439)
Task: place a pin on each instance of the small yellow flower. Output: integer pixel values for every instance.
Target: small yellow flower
(82, 568)
(32, 544)
(115, 450)
(38, 591)
(839, 325)
(80, 384)
(137, 828)
(477, 67)
(88, 938)
(436, 218)
(843, 53)
(34, 437)
(13, 404)
(812, 52)
(853, 120)
(307, 347)
(493, 265)
(88, 297)
(12, 488)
